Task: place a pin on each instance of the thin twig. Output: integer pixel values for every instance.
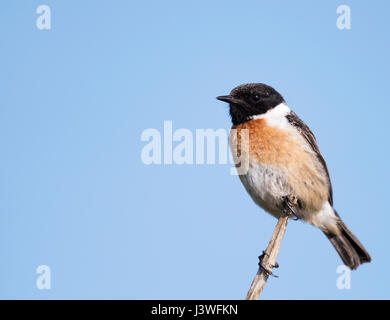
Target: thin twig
(268, 260)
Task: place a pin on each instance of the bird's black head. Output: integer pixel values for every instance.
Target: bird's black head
(251, 99)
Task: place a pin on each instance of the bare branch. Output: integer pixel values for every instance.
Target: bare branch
(269, 259)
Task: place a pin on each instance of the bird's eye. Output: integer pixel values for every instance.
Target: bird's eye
(256, 97)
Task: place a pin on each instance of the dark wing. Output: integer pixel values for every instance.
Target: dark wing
(310, 138)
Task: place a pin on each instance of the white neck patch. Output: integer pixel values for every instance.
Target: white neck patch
(276, 117)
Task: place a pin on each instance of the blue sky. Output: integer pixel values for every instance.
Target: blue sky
(74, 101)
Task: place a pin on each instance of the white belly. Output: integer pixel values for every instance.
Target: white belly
(267, 186)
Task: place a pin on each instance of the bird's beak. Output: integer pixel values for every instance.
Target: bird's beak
(229, 99)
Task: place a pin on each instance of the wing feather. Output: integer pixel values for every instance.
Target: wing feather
(305, 131)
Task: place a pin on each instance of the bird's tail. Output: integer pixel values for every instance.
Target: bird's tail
(349, 248)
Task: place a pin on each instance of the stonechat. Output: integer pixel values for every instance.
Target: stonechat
(285, 166)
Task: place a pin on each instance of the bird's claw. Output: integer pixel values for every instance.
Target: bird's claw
(289, 204)
(264, 268)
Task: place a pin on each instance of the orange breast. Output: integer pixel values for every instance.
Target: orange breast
(268, 145)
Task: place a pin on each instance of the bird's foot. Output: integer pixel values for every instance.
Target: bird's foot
(289, 206)
(264, 268)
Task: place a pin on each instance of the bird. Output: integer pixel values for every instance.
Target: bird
(285, 166)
